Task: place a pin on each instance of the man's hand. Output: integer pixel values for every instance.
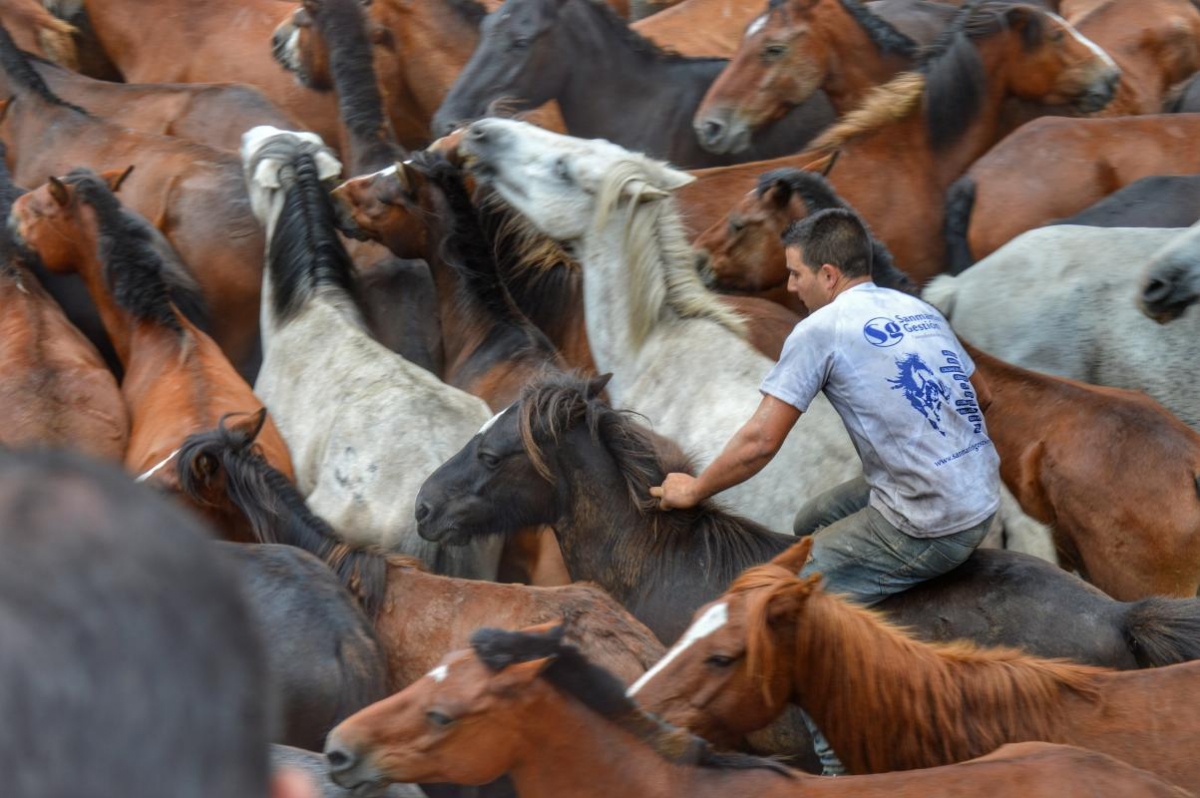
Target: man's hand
(678, 492)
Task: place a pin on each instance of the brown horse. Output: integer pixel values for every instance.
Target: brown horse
(215, 115)
(194, 195)
(55, 389)
(1053, 168)
(801, 46)
(526, 704)
(418, 616)
(775, 638)
(1134, 531)
(748, 257)
(940, 117)
(220, 41)
(176, 379)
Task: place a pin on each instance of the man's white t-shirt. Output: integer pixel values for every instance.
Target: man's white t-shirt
(892, 368)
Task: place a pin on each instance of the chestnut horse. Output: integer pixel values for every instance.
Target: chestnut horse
(213, 114)
(800, 46)
(941, 117)
(1060, 441)
(775, 638)
(527, 704)
(219, 41)
(54, 387)
(610, 82)
(418, 616)
(176, 379)
(749, 256)
(193, 194)
(1053, 168)
(563, 457)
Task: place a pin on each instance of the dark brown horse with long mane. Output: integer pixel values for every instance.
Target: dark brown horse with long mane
(194, 195)
(563, 457)
(177, 380)
(527, 704)
(775, 637)
(942, 116)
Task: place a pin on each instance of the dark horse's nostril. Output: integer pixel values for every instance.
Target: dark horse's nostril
(712, 129)
(340, 760)
(423, 511)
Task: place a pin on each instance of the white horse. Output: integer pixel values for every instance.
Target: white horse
(1065, 300)
(677, 355)
(365, 426)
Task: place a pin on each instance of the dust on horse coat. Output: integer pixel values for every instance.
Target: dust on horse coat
(365, 426)
(1063, 300)
(677, 355)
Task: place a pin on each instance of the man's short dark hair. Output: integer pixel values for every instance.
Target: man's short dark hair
(835, 236)
(130, 666)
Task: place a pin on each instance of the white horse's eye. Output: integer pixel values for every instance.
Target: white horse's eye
(562, 171)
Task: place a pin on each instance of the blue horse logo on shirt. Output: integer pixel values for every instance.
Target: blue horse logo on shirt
(921, 386)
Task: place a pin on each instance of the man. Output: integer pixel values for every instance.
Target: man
(903, 386)
(130, 663)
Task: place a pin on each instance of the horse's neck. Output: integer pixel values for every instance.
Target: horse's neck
(598, 519)
(569, 750)
(434, 44)
(608, 305)
(36, 126)
(652, 83)
(466, 324)
(856, 64)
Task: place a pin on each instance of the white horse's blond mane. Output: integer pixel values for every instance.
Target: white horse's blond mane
(660, 260)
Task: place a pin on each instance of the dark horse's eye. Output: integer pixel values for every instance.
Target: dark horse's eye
(489, 460)
(736, 226)
(519, 43)
(438, 719)
(720, 661)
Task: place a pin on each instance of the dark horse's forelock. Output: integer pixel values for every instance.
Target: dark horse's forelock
(471, 11)
(573, 674)
(15, 63)
(955, 80)
(305, 252)
(275, 509)
(133, 269)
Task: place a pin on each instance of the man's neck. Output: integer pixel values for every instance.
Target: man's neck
(846, 284)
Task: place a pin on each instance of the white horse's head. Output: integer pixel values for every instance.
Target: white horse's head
(265, 150)
(1171, 281)
(556, 181)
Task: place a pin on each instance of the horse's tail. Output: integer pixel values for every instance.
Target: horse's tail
(941, 292)
(273, 506)
(1163, 631)
(960, 201)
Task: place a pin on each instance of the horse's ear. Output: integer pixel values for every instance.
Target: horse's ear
(58, 190)
(250, 424)
(409, 176)
(328, 166)
(596, 385)
(115, 177)
(1027, 22)
(833, 159)
(778, 194)
(266, 174)
(516, 677)
(4, 106)
(786, 603)
(204, 467)
(793, 558)
(673, 179)
(311, 6)
(382, 37)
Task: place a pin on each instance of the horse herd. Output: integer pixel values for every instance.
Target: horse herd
(418, 365)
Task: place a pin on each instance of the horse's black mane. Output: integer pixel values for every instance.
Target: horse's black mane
(470, 10)
(466, 249)
(276, 511)
(955, 80)
(819, 195)
(886, 36)
(133, 269)
(597, 689)
(15, 63)
(132, 252)
(559, 403)
(343, 25)
(612, 24)
(305, 252)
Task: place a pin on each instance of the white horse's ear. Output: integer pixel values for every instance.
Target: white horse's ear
(673, 179)
(643, 191)
(328, 166)
(266, 174)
